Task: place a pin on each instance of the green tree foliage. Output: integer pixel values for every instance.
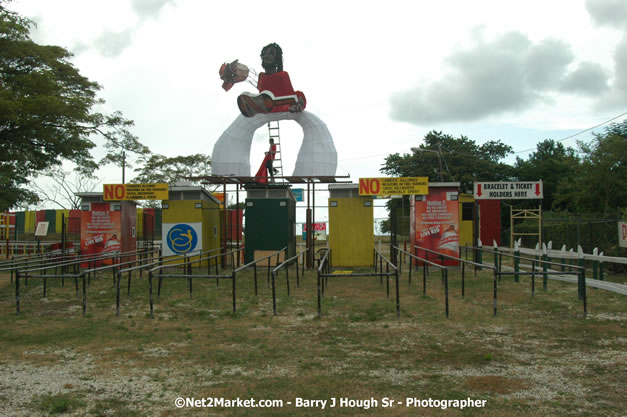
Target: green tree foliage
(461, 159)
(601, 179)
(162, 169)
(45, 111)
(552, 163)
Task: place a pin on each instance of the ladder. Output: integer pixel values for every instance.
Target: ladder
(274, 132)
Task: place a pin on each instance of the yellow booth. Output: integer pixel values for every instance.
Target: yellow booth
(351, 226)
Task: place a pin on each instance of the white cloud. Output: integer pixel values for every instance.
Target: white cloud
(149, 8)
(112, 44)
(507, 74)
(589, 78)
(612, 13)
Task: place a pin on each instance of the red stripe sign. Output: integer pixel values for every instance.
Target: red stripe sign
(508, 190)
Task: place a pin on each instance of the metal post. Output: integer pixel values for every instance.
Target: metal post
(387, 279)
(273, 295)
(463, 275)
(117, 293)
(237, 223)
(495, 291)
(308, 228)
(255, 276)
(234, 289)
(84, 296)
(152, 314)
(411, 261)
(516, 265)
(319, 296)
(17, 291)
(582, 275)
(545, 277)
(446, 289)
(585, 297)
(533, 278)
(424, 277)
(398, 297)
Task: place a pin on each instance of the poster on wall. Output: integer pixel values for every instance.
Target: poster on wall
(622, 234)
(437, 224)
(101, 231)
(181, 238)
(320, 231)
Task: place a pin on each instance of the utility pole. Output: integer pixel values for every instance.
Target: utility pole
(440, 162)
(439, 153)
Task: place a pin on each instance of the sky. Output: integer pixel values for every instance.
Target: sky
(381, 75)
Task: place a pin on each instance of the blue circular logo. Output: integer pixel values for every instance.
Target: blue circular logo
(182, 238)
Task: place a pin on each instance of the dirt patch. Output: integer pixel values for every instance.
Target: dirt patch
(494, 384)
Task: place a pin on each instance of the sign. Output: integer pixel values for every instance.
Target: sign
(42, 229)
(394, 186)
(622, 234)
(508, 190)
(219, 196)
(135, 192)
(320, 231)
(299, 194)
(437, 224)
(101, 230)
(180, 238)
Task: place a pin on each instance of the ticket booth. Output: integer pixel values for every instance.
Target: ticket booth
(107, 227)
(270, 221)
(434, 222)
(190, 221)
(351, 226)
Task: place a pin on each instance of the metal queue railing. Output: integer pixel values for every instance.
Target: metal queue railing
(579, 270)
(143, 259)
(498, 272)
(185, 261)
(325, 272)
(187, 274)
(285, 265)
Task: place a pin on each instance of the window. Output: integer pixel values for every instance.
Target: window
(467, 209)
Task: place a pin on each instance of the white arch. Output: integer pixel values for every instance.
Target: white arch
(317, 154)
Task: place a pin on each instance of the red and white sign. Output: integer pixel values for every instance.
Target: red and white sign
(622, 234)
(508, 190)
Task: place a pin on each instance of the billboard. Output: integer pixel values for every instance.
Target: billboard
(118, 192)
(508, 190)
(101, 231)
(320, 231)
(437, 223)
(394, 186)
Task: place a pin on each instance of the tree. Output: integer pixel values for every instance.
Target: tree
(162, 169)
(602, 177)
(462, 160)
(120, 144)
(552, 163)
(444, 157)
(63, 188)
(45, 111)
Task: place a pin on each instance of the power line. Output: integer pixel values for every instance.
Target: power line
(579, 133)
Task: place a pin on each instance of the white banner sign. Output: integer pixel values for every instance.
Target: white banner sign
(622, 234)
(508, 190)
(180, 238)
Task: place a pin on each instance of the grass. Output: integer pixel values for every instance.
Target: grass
(539, 356)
